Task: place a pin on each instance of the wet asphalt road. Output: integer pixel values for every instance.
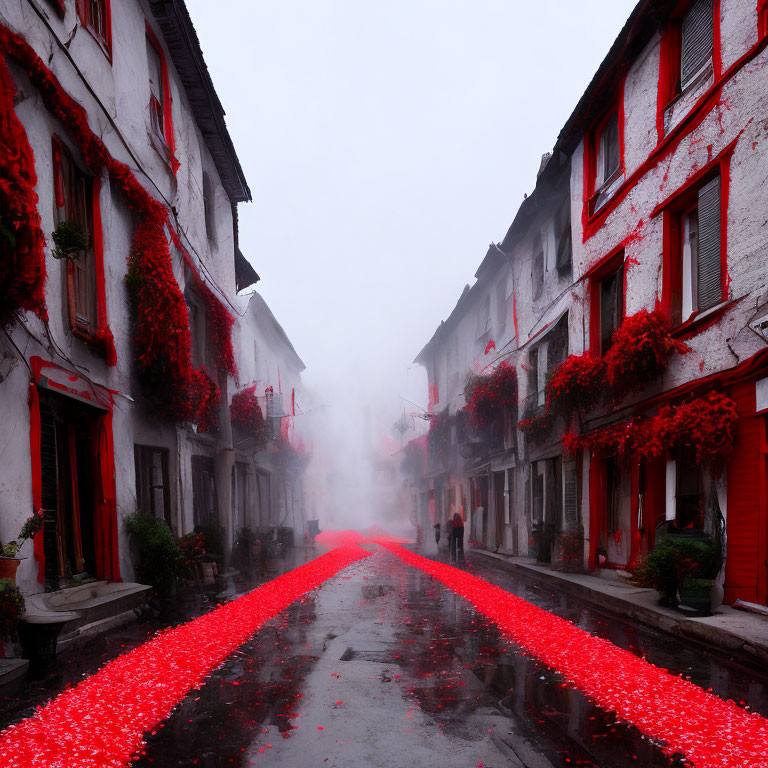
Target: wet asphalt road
(383, 666)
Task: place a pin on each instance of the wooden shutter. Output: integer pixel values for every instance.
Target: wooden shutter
(698, 37)
(709, 281)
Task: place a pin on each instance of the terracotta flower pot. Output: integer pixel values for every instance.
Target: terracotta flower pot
(8, 566)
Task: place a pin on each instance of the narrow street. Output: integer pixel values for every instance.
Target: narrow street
(384, 666)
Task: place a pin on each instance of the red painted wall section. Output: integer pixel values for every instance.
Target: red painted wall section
(744, 523)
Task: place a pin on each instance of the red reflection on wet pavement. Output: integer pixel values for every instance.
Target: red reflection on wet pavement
(708, 731)
(100, 723)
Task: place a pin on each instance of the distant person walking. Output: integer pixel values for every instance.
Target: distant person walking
(437, 536)
(457, 539)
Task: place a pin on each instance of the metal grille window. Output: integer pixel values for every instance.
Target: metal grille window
(697, 40)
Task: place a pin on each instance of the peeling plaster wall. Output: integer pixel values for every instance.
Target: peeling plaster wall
(122, 87)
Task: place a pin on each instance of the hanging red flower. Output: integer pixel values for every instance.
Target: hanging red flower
(708, 424)
(246, 413)
(576, 386)
(22, 255)
(639, 353)
(493, 394)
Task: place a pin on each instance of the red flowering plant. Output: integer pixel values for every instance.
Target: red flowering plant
(536, 427)
(22, 255)
(639, 353)
(576, 386)
(492, 395)
(162, 339)
(620, 439)
(192, 548)
(246, 414)
(707, 423)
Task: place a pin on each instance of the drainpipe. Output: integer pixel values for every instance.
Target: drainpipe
(223, 464)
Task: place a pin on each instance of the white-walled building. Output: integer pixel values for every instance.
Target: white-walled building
(658, 174)
(118, 362)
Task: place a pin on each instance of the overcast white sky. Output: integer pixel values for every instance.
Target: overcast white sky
(386, 145)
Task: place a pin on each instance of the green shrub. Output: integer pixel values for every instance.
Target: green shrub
(675, 560)
(11, 609)
(158, 553)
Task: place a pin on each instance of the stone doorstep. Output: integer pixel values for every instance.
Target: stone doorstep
(745, 636)
(12, 670)
(96, 611)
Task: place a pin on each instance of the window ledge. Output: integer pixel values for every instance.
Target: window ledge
(700, 321)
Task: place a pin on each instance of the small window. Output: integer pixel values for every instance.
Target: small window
(611, 306)
(609, 152)
(204, 506)
(557, 344)
(95, 17)
(198, 329)
(696, 274)
(697, 40)
(152, 483)
(563, 234)
(208, 207)
(537, 269)
(73, 194)
(156, 89)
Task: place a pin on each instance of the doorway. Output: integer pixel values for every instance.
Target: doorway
(69, 484)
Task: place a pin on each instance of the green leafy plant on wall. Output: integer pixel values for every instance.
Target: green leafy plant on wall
(69, 241)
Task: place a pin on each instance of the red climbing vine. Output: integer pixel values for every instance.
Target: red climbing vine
(22, 255)
(246, 412)
(493, 394)
(162, 337)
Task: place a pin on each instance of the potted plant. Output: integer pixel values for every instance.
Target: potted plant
(9, 562)
(11, 611)
(682, 569)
